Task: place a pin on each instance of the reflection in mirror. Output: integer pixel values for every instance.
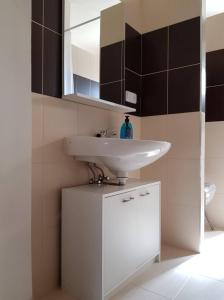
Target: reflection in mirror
(83, 35)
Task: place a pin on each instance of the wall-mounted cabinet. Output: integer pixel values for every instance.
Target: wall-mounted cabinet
(108, 234)
(93, 53)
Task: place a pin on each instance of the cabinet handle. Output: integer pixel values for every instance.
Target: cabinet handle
(146, 194)
(127, 200)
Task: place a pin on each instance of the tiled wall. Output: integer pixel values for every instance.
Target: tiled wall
(171, 105)
(112, 72)
(47, 35)
(171, 69)
(215, 86)
(162, 67)
(180, 174)
(52, 169)
(214, 149)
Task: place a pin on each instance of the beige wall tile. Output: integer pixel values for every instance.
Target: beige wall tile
(37, 129)
(59, 121)
(214, 34)
(112, 25)
(37, 231)
(37, 199)
(183, 182)
(155, 16)
(38, 272)
(133, 14)
(154, 128)
(214, 141)
(183, 226)
(91, 120)
(181, 177)
(184, 133)
(51, 256)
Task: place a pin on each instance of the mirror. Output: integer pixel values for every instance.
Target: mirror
(93, 49)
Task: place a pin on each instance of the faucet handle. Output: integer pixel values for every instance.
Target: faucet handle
(106, 133)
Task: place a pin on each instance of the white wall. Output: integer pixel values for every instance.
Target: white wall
(15, 149)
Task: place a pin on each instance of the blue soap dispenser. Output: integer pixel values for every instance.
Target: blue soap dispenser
(126, 131)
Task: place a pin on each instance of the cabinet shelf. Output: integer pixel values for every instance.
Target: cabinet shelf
(100, 103)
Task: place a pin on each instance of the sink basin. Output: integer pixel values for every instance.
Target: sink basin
(119, 156)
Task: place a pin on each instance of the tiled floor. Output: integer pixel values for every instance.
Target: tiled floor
(180, 275)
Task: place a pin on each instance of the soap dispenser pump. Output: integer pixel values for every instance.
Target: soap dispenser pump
(126, 131)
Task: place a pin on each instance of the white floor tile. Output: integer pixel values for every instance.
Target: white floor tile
(202, 288)
(181, 275)
(165, 278)
(134, 293)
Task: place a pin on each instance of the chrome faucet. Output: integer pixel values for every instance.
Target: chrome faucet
(106, 133)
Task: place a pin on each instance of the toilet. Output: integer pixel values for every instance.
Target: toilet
(209, 189)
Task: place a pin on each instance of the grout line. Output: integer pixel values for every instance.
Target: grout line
(214, 86)
(152, 292)
(177, 68)
(132, 71)
(47, 28)
(182, 287)
(110, 82)
(183, 67)
(153, 73)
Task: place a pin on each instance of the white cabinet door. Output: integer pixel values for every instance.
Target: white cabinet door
(131, 233)
(119, 238)
(148, 223)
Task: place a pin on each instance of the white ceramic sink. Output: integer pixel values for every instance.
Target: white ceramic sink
(119, 156)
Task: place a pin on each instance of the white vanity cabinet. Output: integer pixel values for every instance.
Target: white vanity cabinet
(108, 234)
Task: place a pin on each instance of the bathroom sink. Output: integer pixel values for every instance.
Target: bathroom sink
(118, 155)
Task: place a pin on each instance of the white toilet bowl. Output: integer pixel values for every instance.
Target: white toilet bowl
(209, 189)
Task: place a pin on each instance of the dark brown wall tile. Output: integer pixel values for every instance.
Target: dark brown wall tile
(215, 104)
(132, 49)
(133, 84)
(112, 92)
(36, 58)
(53, 15)
(154, 94)
(184, 90)
(37, 11)
(215, 67)
(52, 64)
(184, 43)
(111, 62)
(155, 51)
